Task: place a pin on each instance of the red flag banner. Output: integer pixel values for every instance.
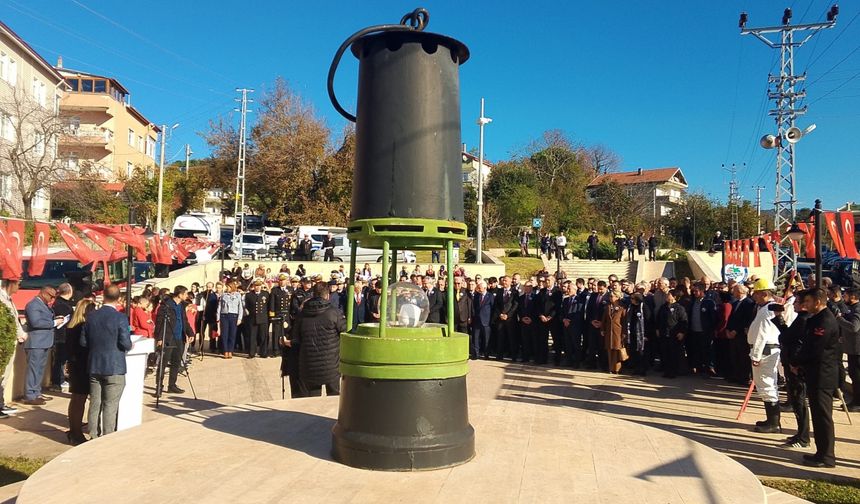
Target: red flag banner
(12, 269)
(126, 236)
(745, 259)
(160, 252)
(39, 250)
(179, 249)
(808, 238)
(756, 251)
(15, 243)
(77, 246)
(846, 220)
(768, 239)
(833, 227)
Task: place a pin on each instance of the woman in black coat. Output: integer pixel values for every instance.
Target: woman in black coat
(317, 336)
(79, 376)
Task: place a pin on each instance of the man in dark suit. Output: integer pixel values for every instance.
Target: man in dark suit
(359, 304)
(374, 296)
(820, 358)
(257, 317)
(594, 308)
(462, 306)
(506, 331)
(702, 316)
(106, 335)
(528, 322)
(40, 339)
(435, 299)
(546, 309)
(573, 320)
(172, 330)
(483, 310)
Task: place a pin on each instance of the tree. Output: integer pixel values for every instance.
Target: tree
(601, 160)
(31, 132)
(87, 200)
(622, 206)
(291, 145)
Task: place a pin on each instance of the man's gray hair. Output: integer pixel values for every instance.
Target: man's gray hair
(64, 289)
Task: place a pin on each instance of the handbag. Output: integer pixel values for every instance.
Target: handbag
(624, 355)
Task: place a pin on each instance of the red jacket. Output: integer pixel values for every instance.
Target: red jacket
(141, 322)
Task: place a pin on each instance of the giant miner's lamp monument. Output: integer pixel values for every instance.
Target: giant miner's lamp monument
(403, 403)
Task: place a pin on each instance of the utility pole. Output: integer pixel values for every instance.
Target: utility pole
(187, 158)
(734, 201)
(758, 208)
(239, 208)
(482, 121)
(788, 37)
(164, 134)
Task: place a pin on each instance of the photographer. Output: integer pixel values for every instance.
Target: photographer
(172, 330)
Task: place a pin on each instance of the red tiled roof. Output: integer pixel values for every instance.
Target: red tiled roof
(107, 186)
(642, 176)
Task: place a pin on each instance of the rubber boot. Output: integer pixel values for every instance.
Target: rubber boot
(766, 421)
(773, 414)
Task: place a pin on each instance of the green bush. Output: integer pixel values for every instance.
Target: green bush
(675, 254)
(8, 335)
(605, 250)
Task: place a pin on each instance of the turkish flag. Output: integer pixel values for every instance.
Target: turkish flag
(745, 259)
(126, 236)
(180, 250)
(768, 242)
(756, 251)
(11, 240)
(833, 227)
(808, 238)
(77, 246)
(39, 250)
(846, 221)
(160, 252)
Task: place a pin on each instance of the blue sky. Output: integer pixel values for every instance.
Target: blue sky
(661, 83)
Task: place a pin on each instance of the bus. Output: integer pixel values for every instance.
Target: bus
(63, 267)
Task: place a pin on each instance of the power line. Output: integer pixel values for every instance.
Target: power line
(148, 41)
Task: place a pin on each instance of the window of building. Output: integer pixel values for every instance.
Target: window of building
(13, 72)
(74, 84)
(140, 143)
(4, 66)
(150, 147)
(129, 169)
(72, 162)
(131, 137)
(38, 89)
(6, 187)
(100, 86)
(87, 85)
(38, 144)
(7, 127)
(40, 200)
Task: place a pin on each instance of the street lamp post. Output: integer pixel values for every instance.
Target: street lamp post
(482, 121)
(164, 133)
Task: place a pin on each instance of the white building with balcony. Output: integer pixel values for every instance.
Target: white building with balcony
(664, 186)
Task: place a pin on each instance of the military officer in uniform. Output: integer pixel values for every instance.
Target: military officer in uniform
(279, 311)
(257, 316)
(290, 355)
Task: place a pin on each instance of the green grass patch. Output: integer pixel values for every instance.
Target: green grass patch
(13, 469)
(523, 265)
(818, 491)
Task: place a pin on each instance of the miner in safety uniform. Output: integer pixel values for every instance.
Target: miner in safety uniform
(763, 338)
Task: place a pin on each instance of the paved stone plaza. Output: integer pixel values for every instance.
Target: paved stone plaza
(697, 409)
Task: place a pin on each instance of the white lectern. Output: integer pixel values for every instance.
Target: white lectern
(131, 402)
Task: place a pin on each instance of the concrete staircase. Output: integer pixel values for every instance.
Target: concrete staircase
(600, 269)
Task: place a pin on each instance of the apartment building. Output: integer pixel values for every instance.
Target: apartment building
(31, 88)
(105, 136)
(664, 187)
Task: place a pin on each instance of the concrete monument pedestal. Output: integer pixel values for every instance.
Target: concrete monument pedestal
(280, 451)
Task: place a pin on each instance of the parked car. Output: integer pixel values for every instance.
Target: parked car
(363, 255)
(249, 245)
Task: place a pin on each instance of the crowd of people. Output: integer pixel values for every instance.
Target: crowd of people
(740, 332)
(555, 245)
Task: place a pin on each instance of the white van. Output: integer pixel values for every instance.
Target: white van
(273, 234)
(249, 244)
(197, 225)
